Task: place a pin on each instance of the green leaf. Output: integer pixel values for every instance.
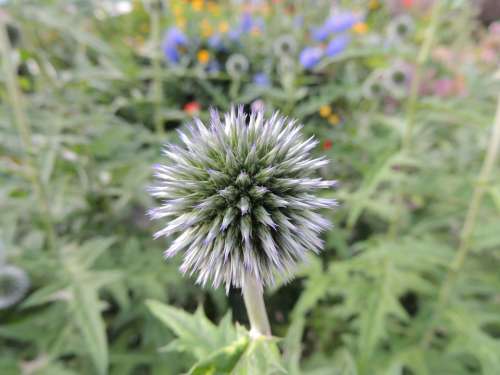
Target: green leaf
(261, 357)
(196, 334)
(87, 314)
(222, 361)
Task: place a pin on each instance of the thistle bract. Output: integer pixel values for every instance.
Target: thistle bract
(240, 194)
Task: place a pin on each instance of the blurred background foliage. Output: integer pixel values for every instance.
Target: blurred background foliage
(402, 96)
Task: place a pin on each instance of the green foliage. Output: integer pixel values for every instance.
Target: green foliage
(394, 292)
(221, 349)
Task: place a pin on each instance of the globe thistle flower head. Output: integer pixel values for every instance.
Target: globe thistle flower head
(397, 79)
(373, 87)
(237, 65)
(400, 28)
(240, 194)
(285, 45)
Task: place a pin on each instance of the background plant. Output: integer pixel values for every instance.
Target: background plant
(408, 282)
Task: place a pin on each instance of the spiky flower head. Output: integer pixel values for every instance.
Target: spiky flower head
(240, 194)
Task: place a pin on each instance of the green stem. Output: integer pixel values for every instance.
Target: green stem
(422, 58)
(157, 90)
(256, 309)
(411, 105)
(469, 224)
(15, 98)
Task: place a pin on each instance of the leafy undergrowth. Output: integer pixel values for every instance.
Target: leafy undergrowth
(408, 282)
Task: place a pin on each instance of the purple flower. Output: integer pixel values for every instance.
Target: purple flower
(246, 22)
(261, 79)
(174, 38)
(310, 57)
(213, 67)
(246, 25)
(234, 34)
(334, 24)
(337, 45)
(215, 42)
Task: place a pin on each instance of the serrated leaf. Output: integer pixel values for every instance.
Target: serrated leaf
(222, 361)
(196, 334)
(87, 314)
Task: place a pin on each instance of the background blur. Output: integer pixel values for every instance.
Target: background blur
(402, 96)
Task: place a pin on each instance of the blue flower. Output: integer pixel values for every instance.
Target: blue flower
(310, 57)
(334, 24)
(337, 45)
(213, 67)
(174, 38)
(215, 42)
(261, 79)
(246, 25)
(246, 22)
(235, 34)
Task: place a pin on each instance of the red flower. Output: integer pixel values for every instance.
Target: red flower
(327, 144)
(407, 3)
(192, 108)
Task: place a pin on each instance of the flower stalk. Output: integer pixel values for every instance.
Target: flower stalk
(256, 309)
(16, 100)
(157, 90)
(469, 224)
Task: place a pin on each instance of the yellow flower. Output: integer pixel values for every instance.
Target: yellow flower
(360, 28)
(223, 27)
(203, 56)
(325, 111)
(177, 10)
(207, 32)
(334, 119)
(213, 8)
(206, 29)
(373, 4)
(197, 5)
(180, 23)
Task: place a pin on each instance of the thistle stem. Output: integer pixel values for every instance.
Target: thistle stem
(411, 107)
(157, 90)
(423, 56)
(254, 303)
(20, 120)
(469, 224)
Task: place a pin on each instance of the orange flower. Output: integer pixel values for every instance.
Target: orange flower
(203, 56)
(197, 5)
(360, 28)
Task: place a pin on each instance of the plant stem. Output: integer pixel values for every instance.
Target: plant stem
(469, 224)
(15, 98)
(411, 106)
(157, 90)
(422, 57)
(254, 303)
